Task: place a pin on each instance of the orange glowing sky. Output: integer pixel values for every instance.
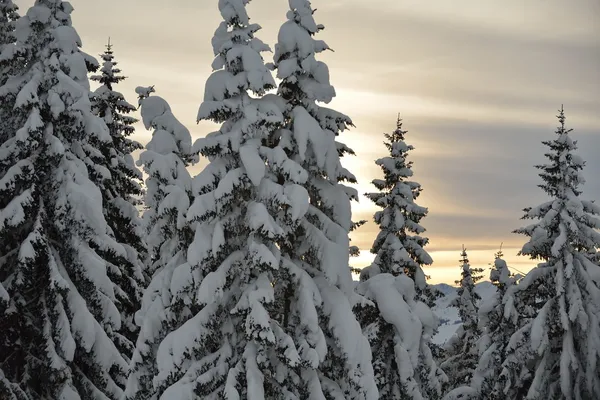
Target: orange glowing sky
(477, 83)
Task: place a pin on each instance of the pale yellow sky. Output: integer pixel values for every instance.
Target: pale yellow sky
(477, 82)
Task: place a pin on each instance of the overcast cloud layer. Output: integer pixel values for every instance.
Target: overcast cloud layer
(477, 83)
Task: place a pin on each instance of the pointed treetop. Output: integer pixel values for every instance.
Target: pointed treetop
(398, 135)
(499, 253)
(109, 72)
(561, 116)
(562, 175)
(566, 221)
(464, 258)
(560, 293)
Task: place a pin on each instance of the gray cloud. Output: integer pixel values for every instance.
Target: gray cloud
(477, 197)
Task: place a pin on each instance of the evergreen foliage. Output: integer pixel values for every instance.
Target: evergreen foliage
(461, 351)
(319, 244)
(496, 331)
(121, 192)
(560, 294)
(8, 66)
(399, 246)
(168, 198)
(58, 315)
(267, 266)
(399, 326)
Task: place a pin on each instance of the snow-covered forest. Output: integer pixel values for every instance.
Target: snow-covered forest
(124, 276)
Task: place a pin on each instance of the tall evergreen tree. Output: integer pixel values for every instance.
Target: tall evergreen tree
(168, 197)
(62, 321)
(121, 191)
(165, 161)
(229, 347)
(8, 64)
(399, 327)
(461, 350)
(564, 333)
(270, 326)
(399, 246)
(319, 245)
(9, 14)
(496, 331)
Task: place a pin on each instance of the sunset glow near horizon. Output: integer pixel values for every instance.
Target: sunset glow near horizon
(478, 85)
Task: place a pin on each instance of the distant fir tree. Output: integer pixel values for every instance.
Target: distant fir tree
(168, 198)
(400, 326)
(563, 334)
(399, 244)
(461, 349)
(113, 170)
(496, 331)
(58, 316)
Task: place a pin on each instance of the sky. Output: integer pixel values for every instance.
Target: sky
(477, 83)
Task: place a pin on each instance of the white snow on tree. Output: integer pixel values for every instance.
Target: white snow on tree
(8, 17)
(564, 335)
(62, 319)
(165, 160)
(231, 347)
(461, 353)
(9, 14)
(267, 323)
(399, 326)
(168, 199)
(121, 191)
(399, 246)
(8, 315)
(8, 65)
(320, 245)
(496, 331)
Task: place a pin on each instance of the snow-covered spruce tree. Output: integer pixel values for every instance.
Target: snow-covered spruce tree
(403, 363)
(518, 356)
(167, 199)
(62, 319)
(272, 325)
(8, 63)
(112, 169)
(461, 353)
(399, 245)
(496, 331)
(564, 335)
(8, 17)
(400, 328)
(320, 244)
(165, 161)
